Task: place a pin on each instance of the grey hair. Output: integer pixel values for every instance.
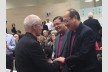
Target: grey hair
(31, 20)
(90, 15)
(45, 31)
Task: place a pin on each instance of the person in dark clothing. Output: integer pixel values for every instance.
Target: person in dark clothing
(13, 30)
(95, 25)
(19, 33)
(45, 27)
(29, 55)
(81, 53)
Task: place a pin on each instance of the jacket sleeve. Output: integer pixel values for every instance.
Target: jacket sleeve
(38, 57)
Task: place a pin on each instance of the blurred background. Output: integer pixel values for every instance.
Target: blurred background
(17, 10)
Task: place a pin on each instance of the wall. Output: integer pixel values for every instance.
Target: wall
(97, 11)
(17, 15)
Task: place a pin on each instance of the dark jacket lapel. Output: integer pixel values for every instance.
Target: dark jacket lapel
(64, 41)
(56, 45)
(78, 30)
(68, 41)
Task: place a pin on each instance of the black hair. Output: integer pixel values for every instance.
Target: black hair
(59, 17)
(73, 13)
(18, 31)
(44, 22)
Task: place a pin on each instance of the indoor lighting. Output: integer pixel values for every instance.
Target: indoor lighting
(90, 0)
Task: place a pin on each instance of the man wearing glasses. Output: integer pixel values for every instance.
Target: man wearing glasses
(81, 45)
(61, 40)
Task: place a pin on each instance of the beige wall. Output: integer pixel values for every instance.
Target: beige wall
(17, 15)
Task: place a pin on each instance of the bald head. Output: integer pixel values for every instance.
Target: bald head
(33, 24)
(90, 15)
(31, 20)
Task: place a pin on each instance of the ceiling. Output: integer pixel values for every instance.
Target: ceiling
(23, 3)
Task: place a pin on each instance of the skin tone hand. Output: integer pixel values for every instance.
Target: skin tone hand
(50, 61)
(7, 46)
(60, 59)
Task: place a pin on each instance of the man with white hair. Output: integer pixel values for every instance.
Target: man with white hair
(90, 14)
(94, 25)
(29, 54)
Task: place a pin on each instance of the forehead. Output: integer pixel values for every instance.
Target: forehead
(66, 14)
(57, 20)
(15, 35)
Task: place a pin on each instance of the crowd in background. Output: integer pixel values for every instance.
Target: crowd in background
(47, 38)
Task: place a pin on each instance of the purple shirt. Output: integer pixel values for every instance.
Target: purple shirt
(60, 44)
(60, 41)
(72, 41)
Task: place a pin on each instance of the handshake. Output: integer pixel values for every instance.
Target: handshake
(59, 59)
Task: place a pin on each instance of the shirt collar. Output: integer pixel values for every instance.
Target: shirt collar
(62, 33)
(77, 27)
(31, 35)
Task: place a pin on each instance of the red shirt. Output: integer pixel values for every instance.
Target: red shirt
(72, 40)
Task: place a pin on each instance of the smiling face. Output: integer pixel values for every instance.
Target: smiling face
(59, 26)
(69, 22)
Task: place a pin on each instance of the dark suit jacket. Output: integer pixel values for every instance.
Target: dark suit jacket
(63, 49)
(20, 36)
(13, 30)
(95, 25)
(83, 57)
(30, 56)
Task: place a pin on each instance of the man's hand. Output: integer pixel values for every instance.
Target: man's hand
(60, 59)
(50, 61)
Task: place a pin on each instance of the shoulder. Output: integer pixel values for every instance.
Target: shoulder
(95, 19)
(9, 35)
(28, 39)
(86, 21)
(86, 29)
(67, 31)
(50, 22)
(57, 36)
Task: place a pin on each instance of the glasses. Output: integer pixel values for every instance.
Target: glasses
(65, 21)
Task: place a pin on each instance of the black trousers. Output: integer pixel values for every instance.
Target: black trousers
(9, 62)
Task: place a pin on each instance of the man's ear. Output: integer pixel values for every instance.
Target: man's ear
(34, 27)
(75, 17)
